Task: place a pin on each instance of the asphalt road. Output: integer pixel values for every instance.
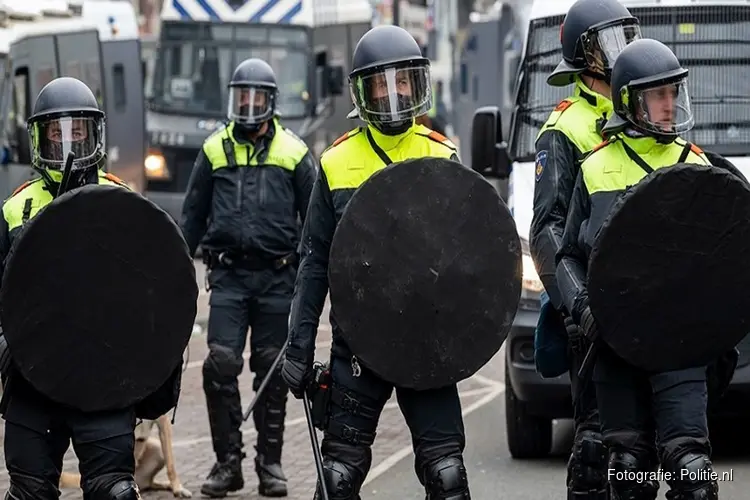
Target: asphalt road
(494, 474)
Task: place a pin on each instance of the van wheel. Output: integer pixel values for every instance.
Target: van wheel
(529, 436)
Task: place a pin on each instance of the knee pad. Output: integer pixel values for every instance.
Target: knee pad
(624, 482)
(342, 481)
(446, 479)
(587, 468)
(221, 366)
(124, 489)
(692, 478)
(24, 487)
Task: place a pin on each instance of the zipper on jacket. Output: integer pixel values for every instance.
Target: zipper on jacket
(262, 181)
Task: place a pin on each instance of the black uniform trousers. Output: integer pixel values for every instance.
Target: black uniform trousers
(433, 416)
(658, 418)
(258, 300)
(38, 433)
(587, 466)
(585, 409)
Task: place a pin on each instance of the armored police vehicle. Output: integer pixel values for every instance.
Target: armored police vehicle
(94, 41)
(712, 39)
(306, 42)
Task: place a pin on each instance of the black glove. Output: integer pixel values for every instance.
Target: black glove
(297, 376)
(576, 341)
(588, 325)
(571, 328)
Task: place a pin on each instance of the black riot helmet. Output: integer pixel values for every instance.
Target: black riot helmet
(252, 94)
(592, 35)
(66, 118)
(390, 80)
(649, 92)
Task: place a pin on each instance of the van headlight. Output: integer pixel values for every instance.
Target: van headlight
(532, 286)
(156, 167)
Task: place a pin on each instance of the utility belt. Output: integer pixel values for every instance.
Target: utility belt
(248, 262)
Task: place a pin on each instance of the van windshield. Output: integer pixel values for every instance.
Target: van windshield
(712, 42)
(195, 61)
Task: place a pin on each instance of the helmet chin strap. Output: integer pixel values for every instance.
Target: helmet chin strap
(606, 78)
(79, 177)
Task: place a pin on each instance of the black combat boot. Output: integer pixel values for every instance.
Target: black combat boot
(269, 415)
(224, 418)
(271, 479)
(225, 477)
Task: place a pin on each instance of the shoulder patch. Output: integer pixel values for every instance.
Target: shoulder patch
(22, 187)
(564, 104)
(114, 178)
(599, 146)
(439, 138)
(540, 163)
(695, 149)
(346, 136)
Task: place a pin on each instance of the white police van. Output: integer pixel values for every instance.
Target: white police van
(712, 39)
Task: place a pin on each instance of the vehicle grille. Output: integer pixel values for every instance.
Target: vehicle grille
(180, 163)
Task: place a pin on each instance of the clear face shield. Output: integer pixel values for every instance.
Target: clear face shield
(251, 105)
(392, 95)
(53, 139)
(601, 46)
(664, 109)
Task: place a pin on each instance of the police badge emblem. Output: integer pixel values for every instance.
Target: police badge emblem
(540, 163)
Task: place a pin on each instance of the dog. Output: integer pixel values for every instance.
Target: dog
(151, 456)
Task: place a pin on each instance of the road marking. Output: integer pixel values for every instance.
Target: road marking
(404, 452)
(488, 381)
(301, 420)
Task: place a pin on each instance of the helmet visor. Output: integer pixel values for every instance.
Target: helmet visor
(392, 95)
(54, 138)
(664, 109)
(251, 104)
(602, 46)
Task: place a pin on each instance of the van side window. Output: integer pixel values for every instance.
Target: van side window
(21, 108)
(21, 98)
(118, 80)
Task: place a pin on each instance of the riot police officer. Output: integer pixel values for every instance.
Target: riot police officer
(647, 418)
(38, 431)
(390, 87)
(593, 33)
(250, 182)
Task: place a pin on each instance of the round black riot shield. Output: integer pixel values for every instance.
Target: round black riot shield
(98, 298)
(425, 273)
(669, 270)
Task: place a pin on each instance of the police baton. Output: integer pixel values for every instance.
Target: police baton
(263, 385)
(317, 455)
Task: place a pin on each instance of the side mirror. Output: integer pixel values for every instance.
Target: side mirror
(334, 78)
(489, 153)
